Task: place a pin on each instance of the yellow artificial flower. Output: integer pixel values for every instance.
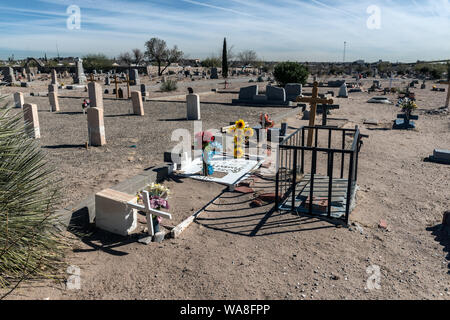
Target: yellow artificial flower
(238, 152)
(249, 132)
(238, 139)
(240, 124)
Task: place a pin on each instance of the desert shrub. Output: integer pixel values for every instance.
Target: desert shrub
(169, 85)
(31, 246)
(290, 72)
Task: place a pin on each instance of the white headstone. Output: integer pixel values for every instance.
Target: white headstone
(343, 92)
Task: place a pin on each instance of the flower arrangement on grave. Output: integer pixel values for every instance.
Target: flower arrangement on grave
(210, 147)
(408, 106)
(159, 196)
(241, 132)
(265, 121)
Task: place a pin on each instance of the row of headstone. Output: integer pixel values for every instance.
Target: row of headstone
(273, 94)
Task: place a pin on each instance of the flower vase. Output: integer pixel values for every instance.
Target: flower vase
(155, 224)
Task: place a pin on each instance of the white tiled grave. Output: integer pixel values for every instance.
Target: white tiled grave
(235, 169)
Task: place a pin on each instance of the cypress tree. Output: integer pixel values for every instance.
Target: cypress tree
(225, 59)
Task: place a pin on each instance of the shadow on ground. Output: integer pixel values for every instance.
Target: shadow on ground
(441, 234)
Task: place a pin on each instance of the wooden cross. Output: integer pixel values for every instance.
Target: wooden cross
(313, 101)
(116, 82)
(91, 78)
(149, 212)
(447, 102)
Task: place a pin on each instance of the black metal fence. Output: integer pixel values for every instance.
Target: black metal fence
(294, 167)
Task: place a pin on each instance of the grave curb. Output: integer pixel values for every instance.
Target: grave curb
(131, 185)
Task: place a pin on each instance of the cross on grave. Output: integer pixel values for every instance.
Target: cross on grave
(116, 82)
(91, 79)
(149, 212)
(324, 108)
(313, 101)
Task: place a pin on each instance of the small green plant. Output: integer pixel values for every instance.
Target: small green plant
(290, 72)
(169, 85)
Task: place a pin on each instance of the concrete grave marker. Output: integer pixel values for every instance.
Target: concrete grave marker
(114, 213)
(31, 117)
(54, 77)
(136, 98)
(96, 127)
(54, 103)
(95, 95)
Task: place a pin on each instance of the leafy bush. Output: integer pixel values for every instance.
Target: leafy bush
(30, 241)
(290, 72)
(169, 85)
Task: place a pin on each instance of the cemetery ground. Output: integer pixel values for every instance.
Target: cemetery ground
(235, 251)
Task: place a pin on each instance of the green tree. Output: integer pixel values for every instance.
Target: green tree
(225, 59)
(211, 62)
(290, 72)
(30, 242)
(97, 61)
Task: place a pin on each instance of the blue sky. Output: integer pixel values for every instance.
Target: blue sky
(301, 30)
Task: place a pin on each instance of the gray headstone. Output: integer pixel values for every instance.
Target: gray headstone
(441, 154)
(134, 78)
(275, 94)
(143, 90)
(214, 74)
(293, 90)
(248, 93)
(9, 75)
(107, 81)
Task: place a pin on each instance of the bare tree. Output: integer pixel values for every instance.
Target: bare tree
(247, 57)
(138, 56)
(135, 57)
(125, 58)
(158, 52)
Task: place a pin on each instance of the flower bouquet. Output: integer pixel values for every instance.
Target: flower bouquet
(265, 121)
(207, 142)
(408, 106)
(158, 200)
(242, 132)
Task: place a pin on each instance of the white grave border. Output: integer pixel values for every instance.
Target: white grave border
(251, 163)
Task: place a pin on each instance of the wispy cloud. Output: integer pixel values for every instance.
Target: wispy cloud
(305, 30)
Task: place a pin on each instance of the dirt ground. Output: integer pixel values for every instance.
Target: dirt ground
(234, 251)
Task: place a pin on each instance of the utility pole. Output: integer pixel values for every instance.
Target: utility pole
(345, 47)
